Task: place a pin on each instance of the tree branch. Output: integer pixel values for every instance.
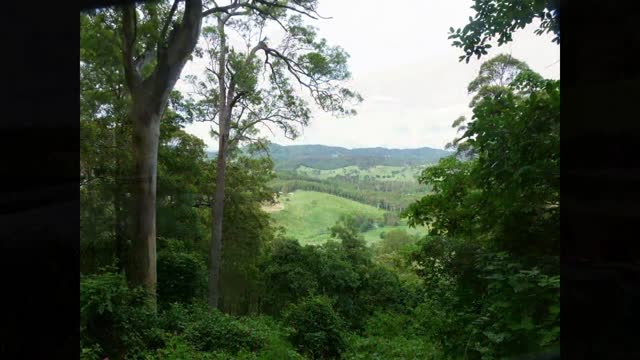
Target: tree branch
(165, 27)
(128, 44)
(221, 9)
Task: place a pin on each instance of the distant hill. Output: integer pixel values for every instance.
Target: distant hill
(332, 157)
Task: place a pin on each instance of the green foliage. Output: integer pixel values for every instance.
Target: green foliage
(489, 266)
(510, 191)
(115, 321)
(500, 18)
(359, 222)
(396, 347)
(177, 348)
(211, 330)
(392, 252)
(264, 332)
(317, 330)
(247, 229)
(391, 219)
(507, 307)
(175, 317)
(181, 273)
(391, 335)
(342, 270)
(453, 199)
(104, 143)
(277, 346)
(394, 241)
(288, 274)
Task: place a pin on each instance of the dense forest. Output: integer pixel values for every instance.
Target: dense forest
(179, 259)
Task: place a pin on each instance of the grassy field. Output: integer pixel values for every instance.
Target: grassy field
(307, 216)
(379, 172)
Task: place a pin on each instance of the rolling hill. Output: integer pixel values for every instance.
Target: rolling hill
(307, 216)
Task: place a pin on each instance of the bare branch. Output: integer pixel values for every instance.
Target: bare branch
(213, 72)
(221, 9)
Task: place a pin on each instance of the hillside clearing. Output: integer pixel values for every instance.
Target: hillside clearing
(308, 215)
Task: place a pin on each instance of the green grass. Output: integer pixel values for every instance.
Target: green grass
(308, 215)
(378, 172)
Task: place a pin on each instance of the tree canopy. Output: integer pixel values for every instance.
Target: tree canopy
(499, 19)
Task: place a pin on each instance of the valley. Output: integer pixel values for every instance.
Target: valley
(319, 184)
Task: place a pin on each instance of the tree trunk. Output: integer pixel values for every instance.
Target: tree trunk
(215, 256)
(142, 256)
(149, 98)
(119, 203)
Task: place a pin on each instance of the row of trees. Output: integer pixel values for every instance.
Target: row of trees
(397, 198)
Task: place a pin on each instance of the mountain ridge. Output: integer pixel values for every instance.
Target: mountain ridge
(289, 157)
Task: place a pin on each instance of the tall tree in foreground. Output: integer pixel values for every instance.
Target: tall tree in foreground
(152, 63)
(243, 90)
(155, 49)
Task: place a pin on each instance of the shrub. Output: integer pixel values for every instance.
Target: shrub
(277, 347)
(490, 307)
(397, 347)
(387, 324)
(115, 321)
(211, 330)
(175, 317)
(177, 348)
(317, 330)
(185, 339)
(181, 274)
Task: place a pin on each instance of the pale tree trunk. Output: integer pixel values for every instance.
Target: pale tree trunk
(149, 98)
(142, 254)
(215, 256)
(217, 211)
(226, 98)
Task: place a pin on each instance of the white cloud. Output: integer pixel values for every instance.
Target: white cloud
(406, 69)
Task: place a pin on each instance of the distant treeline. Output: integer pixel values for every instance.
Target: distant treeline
(388, 195)
(288, 158)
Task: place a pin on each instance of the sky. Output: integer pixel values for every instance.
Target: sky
(406, 70)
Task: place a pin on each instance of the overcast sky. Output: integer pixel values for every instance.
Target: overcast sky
(407, 71)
